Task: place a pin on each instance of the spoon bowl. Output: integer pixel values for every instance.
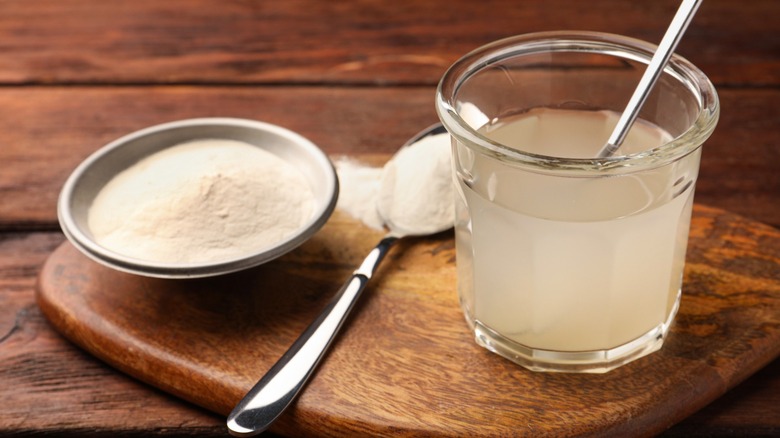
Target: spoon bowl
(409, 201)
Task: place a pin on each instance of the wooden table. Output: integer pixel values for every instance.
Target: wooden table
(355, 77)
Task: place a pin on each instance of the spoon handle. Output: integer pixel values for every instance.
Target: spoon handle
(665, 50)
(276, 390)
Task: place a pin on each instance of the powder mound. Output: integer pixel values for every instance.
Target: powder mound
(416, 195)
(201, 201)
(414, 190)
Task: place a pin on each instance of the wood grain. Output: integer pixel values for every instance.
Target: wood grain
(356, 42)
(751, 409)
(406, 364)
(48, 386)
(355, 76)
(48, 131)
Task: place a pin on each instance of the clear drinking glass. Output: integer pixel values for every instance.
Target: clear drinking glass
(567, 262)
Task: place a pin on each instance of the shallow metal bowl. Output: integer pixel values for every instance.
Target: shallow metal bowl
(97, 170)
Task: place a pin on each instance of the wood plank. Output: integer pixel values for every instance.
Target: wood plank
(406, 363)
(49, 386)
(750, 409)
(365, 41)
(47, 131)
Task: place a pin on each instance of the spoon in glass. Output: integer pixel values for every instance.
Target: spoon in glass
(277, 389)
(654, 69)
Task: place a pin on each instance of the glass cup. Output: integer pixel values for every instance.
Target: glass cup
(567, 262)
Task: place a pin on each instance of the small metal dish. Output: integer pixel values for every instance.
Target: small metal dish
(97, 170)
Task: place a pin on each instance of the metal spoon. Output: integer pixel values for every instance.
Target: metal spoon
(275, 391)
(659, 60)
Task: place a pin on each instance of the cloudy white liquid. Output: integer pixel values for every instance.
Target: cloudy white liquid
(570, 264)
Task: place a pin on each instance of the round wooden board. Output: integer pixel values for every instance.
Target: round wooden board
(405, 363)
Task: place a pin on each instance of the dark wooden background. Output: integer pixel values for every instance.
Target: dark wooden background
(355, 77)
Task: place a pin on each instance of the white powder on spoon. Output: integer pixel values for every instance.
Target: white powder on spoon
(414, 189)
(201, 201)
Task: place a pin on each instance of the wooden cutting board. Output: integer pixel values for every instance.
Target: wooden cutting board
(405, 363)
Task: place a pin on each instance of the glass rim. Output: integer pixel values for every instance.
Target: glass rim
(613, 45)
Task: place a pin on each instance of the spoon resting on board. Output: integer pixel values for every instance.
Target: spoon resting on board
(277, 389)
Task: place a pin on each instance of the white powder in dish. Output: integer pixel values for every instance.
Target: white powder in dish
(414, 189)
(201, 201)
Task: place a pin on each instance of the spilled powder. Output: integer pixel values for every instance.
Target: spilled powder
(414, 189)
(358, 191)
